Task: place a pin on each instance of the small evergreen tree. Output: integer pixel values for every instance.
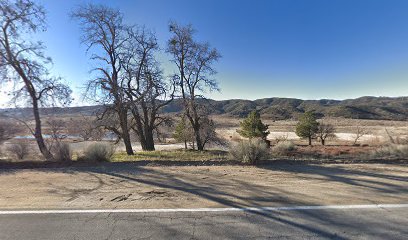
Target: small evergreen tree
(183, 133)
(307, 126)
(252, 127)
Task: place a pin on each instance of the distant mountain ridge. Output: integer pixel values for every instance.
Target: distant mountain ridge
(378, 108)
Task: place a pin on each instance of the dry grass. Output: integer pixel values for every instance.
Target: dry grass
(284, 148)
(345, 129)
(390, 151)
(98, 152)
(249, 151)
(227, 126)
(172, 155)
(331, 152)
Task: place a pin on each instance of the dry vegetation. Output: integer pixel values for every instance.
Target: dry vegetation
(173, 155)
(382, 139)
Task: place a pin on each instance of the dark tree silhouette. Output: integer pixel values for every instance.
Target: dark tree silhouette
(146, 89)
(194, 63)
(103, 32)
(325, 131)
(24, 62)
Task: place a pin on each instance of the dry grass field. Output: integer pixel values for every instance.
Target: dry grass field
(377, 135)
(376, 130)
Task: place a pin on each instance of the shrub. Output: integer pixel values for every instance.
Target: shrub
(307, 126)
(393, 150)
(283, 148)
(8, 130)
(250, 151)
(281, 138)
(63, 152)
(253, 127)
(325, 131)
(19, 150)
(98, 152)
(183, 132)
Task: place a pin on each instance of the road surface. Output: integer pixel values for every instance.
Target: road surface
(339, 222)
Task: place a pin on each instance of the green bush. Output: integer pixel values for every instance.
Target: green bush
(283, 148)
(250, 151)
(98, 152)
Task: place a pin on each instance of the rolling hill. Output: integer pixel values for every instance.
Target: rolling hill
(378, 108)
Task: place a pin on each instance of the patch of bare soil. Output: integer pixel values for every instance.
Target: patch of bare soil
(133, 186)
(319, 151)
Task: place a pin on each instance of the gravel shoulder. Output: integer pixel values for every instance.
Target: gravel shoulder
(128, 185)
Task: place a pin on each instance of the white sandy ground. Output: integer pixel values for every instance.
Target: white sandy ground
(80, 146)
(292, 135)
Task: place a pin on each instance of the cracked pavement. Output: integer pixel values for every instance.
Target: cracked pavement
(302, 224)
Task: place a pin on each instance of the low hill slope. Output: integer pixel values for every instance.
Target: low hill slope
(378, 108)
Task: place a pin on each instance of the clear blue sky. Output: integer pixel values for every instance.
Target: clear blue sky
(308, 49)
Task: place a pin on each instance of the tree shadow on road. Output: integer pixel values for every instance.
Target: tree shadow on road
(256, 194)
(215, 194)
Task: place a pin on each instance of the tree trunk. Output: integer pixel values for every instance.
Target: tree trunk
(310, 141)
(323, 142)
(142, 141)
(145, 134)
(185, 144)
(127, 142)
(38, 130)
(149, 141)
(38, 133)
(125, 131)
(200, 145)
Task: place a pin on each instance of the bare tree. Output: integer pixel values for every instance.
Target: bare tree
(86, 128)
(60, 149)
(208, 134)
(98, 133)
(81, 127)
(325, 131)
(359, 132)
(282, 138)
(24, 61)
(164, 131)
(8, 130)
(194, 62)
(147, 91)
(104, 32)
(20, 150)
(56, 128)
(109, 120)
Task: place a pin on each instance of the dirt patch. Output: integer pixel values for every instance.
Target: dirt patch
(133, 186)
(332, 151)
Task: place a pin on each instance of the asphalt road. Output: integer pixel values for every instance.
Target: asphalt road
(357, 223)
